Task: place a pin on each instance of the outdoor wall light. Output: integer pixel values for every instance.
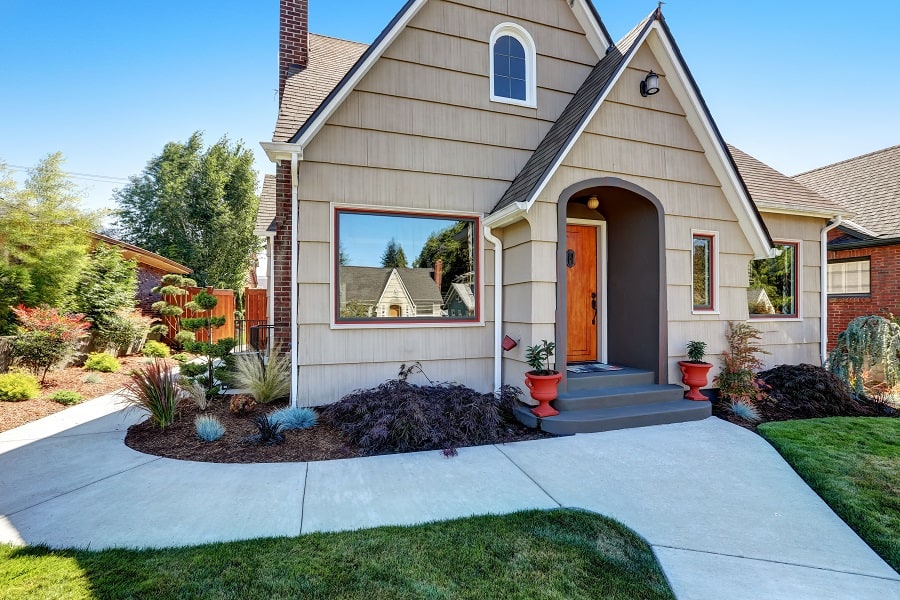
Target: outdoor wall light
(593, 202)
(650, 84)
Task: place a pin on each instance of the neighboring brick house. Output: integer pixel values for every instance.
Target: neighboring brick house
(863, 254)
(150, 269)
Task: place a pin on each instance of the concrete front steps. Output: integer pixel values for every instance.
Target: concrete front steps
(615, 400)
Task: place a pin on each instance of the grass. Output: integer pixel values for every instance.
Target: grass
(560, 554)
(854, 465)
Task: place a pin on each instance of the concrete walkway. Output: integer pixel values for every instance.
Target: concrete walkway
(725, 515)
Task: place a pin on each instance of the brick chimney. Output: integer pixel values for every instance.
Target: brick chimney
(438, 272)
(293, 40)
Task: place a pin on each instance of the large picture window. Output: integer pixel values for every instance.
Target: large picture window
(850, 277)
(392, 267)
(703, 271)
(773, 290)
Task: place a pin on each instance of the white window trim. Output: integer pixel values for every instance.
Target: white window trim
(714, 288)
(374, 324)
(797, 292)
(524, 38)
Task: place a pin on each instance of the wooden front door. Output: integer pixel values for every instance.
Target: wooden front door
(582, 293)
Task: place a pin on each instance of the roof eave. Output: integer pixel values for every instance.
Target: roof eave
(507, 215)
(802, 212)
(277, 151)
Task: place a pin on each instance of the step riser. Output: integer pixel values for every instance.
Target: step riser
(613, 400)
(598, 382)
(627, 422)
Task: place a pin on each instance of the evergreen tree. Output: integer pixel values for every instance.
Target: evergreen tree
(451, 245)
(394, 257)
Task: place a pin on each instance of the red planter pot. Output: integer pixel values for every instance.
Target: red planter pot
(543, 389)
(695, 376)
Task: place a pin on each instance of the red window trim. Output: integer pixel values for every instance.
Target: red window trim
(712, 272)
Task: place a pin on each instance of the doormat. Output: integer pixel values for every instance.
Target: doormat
(592, 368)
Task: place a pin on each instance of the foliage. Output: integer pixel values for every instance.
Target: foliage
(451, 246)
(398, 416)
(868, 341)
(183, 338)
(106, 286)
(192, 369)
(67, 397)
(209, 428)
(194, 391)
(737, 380)
(46, 337)
(745, 410)
(268, 432)
(92, 378)
(265, 378)
(43, 239)
(101, 361)
(807, 391)
(181, 357)
(155, 349)
(241, 405)
(393, 257)
(197, 207)
(155, 389)
(494, 556)
(696, 351)
(15, 387)
(852, 464)
(354, 309)
(122, 329)
(538, 355)
(775, 276)
(292, 418)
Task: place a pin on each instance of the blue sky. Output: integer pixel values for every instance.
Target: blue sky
(796, 83)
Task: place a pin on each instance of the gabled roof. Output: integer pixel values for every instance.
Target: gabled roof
(868, 185)
(551, 150)
(773, 191)
(338, 87)
(265, 217)
(368, 283)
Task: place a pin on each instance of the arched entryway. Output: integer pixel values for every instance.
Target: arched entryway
(625, 269)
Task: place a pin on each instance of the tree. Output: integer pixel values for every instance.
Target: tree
(46, 337)
(197, 207)
(394, 257)
(44, 239)
(450, 245)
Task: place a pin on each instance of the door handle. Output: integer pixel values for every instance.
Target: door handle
(594, 307)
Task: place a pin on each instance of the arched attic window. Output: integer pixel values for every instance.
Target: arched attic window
(513, 79)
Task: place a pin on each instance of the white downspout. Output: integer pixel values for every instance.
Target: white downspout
(823, 287)
(295, 363)
(498, 307)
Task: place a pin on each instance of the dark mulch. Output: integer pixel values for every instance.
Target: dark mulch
(322, 442)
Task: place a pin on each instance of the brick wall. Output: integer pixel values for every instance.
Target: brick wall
(293, 39)
(148, 278)
(281, 255)
(885, 289)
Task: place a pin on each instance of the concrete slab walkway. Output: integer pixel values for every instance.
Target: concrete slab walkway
(725, 515)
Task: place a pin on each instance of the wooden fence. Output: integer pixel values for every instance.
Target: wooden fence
(225, 308)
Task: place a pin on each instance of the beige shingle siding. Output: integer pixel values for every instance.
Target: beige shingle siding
(772, 190)
(329, 60)
(265, 217)
(868, 185)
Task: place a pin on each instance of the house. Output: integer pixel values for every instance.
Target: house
(863, 253)
(581, 183)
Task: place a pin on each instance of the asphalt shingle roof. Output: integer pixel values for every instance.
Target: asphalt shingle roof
(366, 284)
(265, 217)
(868, 185)
(330, 59)
(770, 189)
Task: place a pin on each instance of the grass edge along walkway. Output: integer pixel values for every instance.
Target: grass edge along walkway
(561, 553)
(853, 464)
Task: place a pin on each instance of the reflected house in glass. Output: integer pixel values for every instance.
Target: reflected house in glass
(491, 169)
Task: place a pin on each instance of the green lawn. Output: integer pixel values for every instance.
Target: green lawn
(560, 554)
(854, 465)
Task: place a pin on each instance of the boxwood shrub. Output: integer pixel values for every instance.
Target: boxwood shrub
(15, 387)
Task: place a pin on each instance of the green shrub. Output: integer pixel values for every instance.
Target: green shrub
(101, 361)
(92, 378)
(67, 397)
(192, 369)
(155, 350)
(181, 357)
(15, 387)
(182, 338)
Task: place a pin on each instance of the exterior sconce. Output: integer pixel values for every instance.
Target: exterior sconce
(650, 84)
(593, 203)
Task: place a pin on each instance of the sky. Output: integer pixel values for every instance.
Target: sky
(796, 83)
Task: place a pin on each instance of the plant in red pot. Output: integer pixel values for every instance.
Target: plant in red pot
(694, 370)
(542, 382)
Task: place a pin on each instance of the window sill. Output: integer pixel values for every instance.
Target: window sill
(771, 319)
(522, 103)
(710, 311)
(412, 325)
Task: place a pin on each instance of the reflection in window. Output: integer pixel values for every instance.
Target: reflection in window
(398, 267)
(703, 272)
(773, 284)
(850, 277)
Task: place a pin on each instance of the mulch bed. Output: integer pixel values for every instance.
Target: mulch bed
(322, 442)
(14, 414)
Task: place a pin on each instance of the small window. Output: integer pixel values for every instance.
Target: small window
(774, 288)
(405, 268)
(851, 277)
(512, 66)
(703, 270)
